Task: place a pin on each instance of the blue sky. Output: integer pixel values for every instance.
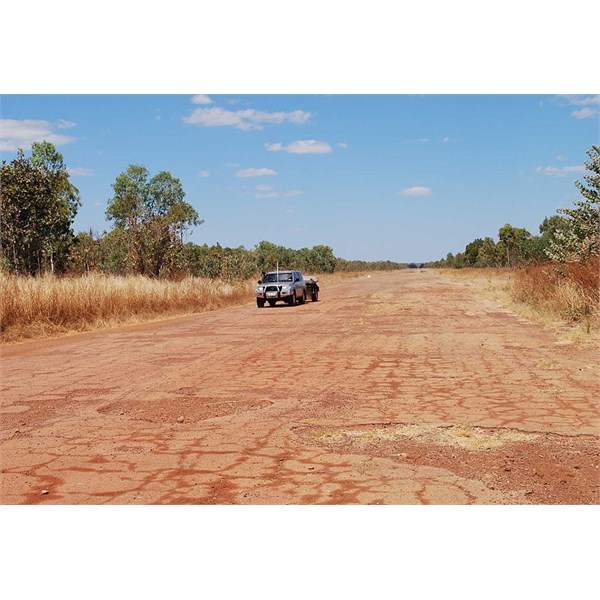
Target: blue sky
(399, 177)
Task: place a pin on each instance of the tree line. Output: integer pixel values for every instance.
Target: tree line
(109, 254)
(572, 234)
(150, 222)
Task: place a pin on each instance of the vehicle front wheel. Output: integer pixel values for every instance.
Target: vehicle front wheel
(292, 299)
(303, 299)
(260, 302)
(272, 302)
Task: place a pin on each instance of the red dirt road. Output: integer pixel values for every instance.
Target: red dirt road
(401, 388)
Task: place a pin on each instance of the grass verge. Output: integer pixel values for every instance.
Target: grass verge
(36, 307)
(569, 291)
(42, 307)
(562, 297)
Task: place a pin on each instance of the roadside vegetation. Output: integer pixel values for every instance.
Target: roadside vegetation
(150, 219)
(569, 291)
(46, 306)
(53, 280)
(554, 275)
(568, 307)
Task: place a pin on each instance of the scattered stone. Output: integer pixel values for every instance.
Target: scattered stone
(17, 431)
(180, 419)
(44, 492)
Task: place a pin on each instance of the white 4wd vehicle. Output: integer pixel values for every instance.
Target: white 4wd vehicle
(288, 286)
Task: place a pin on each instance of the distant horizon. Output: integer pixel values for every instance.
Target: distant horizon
(375, 177)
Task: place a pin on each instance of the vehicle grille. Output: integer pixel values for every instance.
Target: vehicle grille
(272, 288)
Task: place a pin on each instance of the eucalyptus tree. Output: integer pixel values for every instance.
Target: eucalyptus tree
(38, 204)
(578, 236)
(152, 216)
(511, 245)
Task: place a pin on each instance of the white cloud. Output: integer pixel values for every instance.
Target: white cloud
(201, 99)
(274, 147)
(559, 171)
(584, 113)
(80, 171)
(581, 100)
(301, 147)
(342, 145)
(213, 117)
(417, 190)
(252, 172)
(65, 124)
(15, 134)
(427, 140)
(289, 194)
(204, 174)
(587, 102)
(264, 187)
(243, 119)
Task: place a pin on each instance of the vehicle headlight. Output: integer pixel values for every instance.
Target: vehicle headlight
(260, 289)
(285, 288)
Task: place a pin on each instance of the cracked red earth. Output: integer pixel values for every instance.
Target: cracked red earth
(401, 388)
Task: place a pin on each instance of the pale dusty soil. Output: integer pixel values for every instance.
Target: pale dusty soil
(402, 388)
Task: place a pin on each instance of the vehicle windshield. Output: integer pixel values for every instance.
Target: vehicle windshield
(272, 277)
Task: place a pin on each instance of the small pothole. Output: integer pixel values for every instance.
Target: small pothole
(466, 437)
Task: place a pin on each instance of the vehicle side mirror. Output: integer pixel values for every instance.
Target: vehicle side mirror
(259, 281)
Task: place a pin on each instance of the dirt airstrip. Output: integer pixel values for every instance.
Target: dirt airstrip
(400, 388)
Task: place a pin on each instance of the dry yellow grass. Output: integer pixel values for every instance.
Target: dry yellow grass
(329, 279)
(38, 307)
(556, 312)
(48, 306)
(571, 290)
(493, 284)
(462, 436)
